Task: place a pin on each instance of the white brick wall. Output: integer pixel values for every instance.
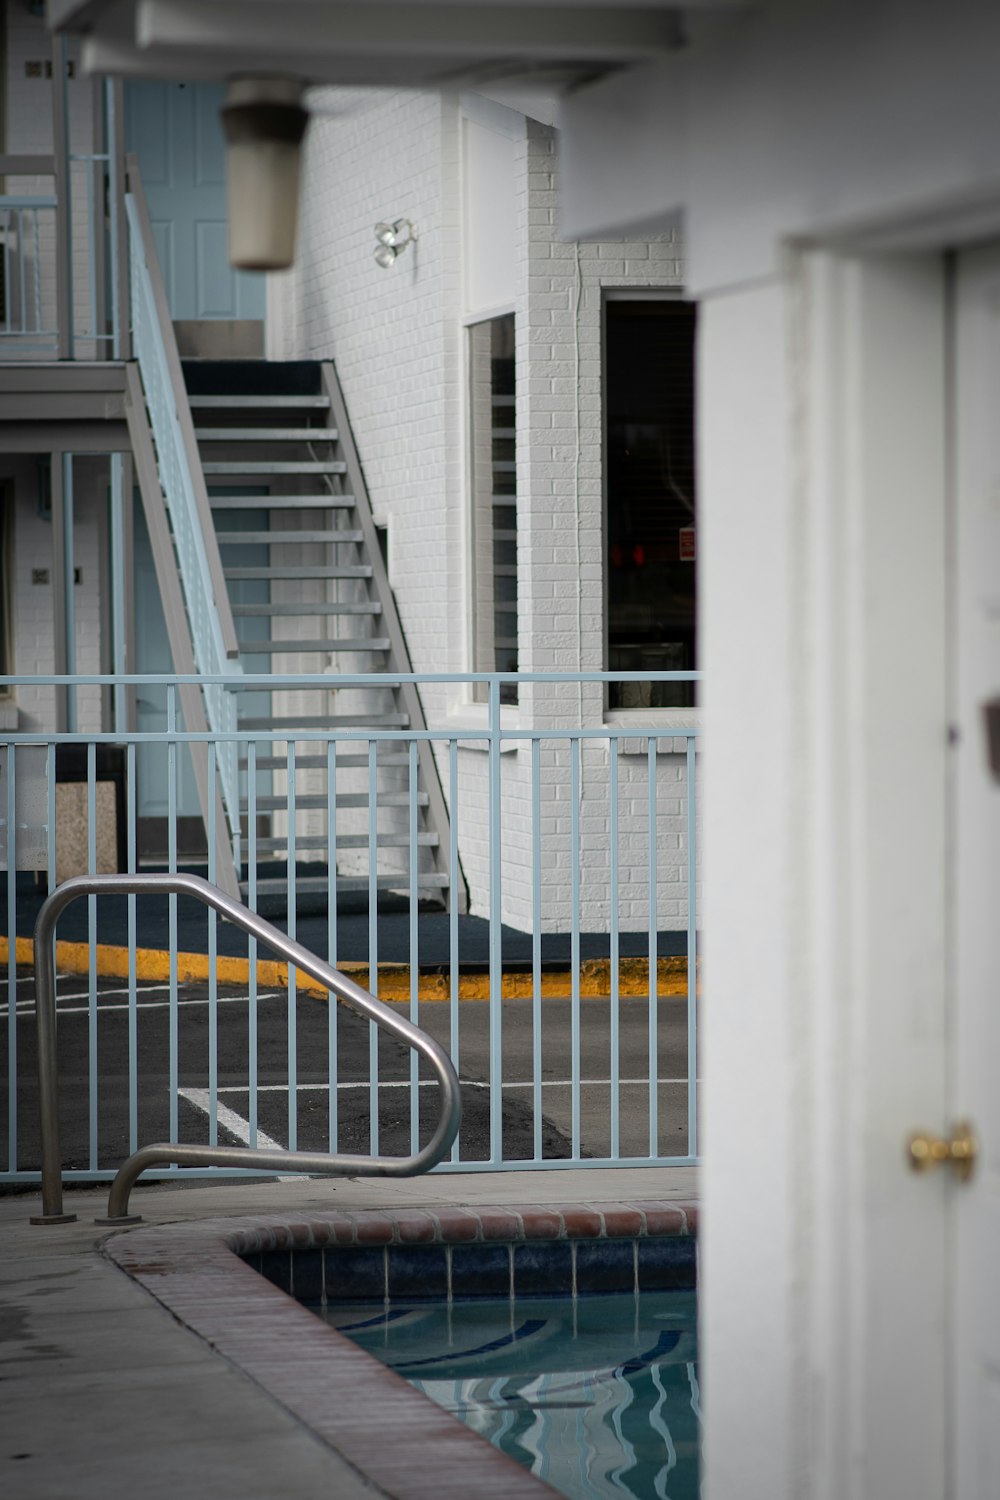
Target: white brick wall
(398, 342)
(393, 333)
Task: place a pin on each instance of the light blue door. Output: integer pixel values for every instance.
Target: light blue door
(175, 130)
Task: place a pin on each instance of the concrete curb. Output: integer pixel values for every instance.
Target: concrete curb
(393, 979)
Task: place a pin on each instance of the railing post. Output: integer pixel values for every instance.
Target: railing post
(496, 918)
(48, 1064)
(64, 206)
(121, 335)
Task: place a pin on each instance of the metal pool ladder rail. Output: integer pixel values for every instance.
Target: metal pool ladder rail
(317, 1163)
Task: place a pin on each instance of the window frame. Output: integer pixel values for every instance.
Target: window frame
(476, 695)
(678, 717)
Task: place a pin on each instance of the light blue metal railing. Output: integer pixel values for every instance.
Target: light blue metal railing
(213, 636)
(578, 841)
(62, 291)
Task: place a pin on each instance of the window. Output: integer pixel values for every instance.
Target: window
(650, 531)
(494, 500)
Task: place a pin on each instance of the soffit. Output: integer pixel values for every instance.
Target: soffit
(382, 43)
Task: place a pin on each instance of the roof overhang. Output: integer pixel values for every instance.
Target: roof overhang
(547, 45)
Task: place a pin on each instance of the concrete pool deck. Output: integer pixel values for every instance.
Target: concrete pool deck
(108, 1393)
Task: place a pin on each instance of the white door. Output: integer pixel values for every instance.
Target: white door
(975, 886)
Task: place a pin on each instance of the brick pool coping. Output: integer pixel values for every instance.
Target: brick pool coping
(392, 1434)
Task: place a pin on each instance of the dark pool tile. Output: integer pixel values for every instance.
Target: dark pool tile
(543, 1267)
(252, 1258)
(307, 1275)
(418, 1271)
(480, 1270)
(667, 1263)
(355, 1273)
(605, 1266)
(276, 1265)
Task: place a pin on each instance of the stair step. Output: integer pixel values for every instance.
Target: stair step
(279, 887)
(309, 800)
(281, 502)
(327, 721)
(318, 762)
(267, 466)
(297, 611)
(237, 403)
(346, 841)
(316, 643)
(282, 538)
(348, 570)
(266, 434)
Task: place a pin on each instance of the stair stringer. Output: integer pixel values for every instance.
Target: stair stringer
(436, 813)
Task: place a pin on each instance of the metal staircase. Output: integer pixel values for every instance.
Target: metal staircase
(309, 593)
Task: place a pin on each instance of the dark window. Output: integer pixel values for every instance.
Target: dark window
(651, 537)
(494, 499)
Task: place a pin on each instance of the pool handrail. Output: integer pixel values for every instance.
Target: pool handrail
(270, 1161)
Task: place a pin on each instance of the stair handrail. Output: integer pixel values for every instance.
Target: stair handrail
(213, 632)
(270, 1161)
(399, 655)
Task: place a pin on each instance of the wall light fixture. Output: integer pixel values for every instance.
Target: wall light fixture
(392, 241)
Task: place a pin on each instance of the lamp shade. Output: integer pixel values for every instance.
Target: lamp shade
(264, 123)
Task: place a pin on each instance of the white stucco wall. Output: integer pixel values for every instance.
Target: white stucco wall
(796, 142)
(815, 122)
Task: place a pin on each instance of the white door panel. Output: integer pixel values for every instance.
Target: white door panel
(976, 871)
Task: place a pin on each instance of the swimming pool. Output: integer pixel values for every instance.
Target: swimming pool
(227, 1280)
(596, 1394)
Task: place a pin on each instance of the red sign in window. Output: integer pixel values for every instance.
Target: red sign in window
(686, 543)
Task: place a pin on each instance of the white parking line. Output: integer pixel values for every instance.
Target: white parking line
(27, 1007)
(235, 1125)
(229, 1119)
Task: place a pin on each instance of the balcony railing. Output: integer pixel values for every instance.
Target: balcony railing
(567, 998)
(62, 228)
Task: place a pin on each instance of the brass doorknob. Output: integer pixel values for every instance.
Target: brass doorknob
(924, 1152)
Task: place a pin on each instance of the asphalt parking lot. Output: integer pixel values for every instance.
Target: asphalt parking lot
(211, 1047)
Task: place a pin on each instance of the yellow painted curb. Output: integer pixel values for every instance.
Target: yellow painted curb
(393, 979)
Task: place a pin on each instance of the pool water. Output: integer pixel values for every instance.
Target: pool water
(597, 1394)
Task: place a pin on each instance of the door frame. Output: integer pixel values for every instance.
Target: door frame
(822, 461)
(874, 452)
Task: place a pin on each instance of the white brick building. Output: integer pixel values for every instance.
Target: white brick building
(479, 182)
